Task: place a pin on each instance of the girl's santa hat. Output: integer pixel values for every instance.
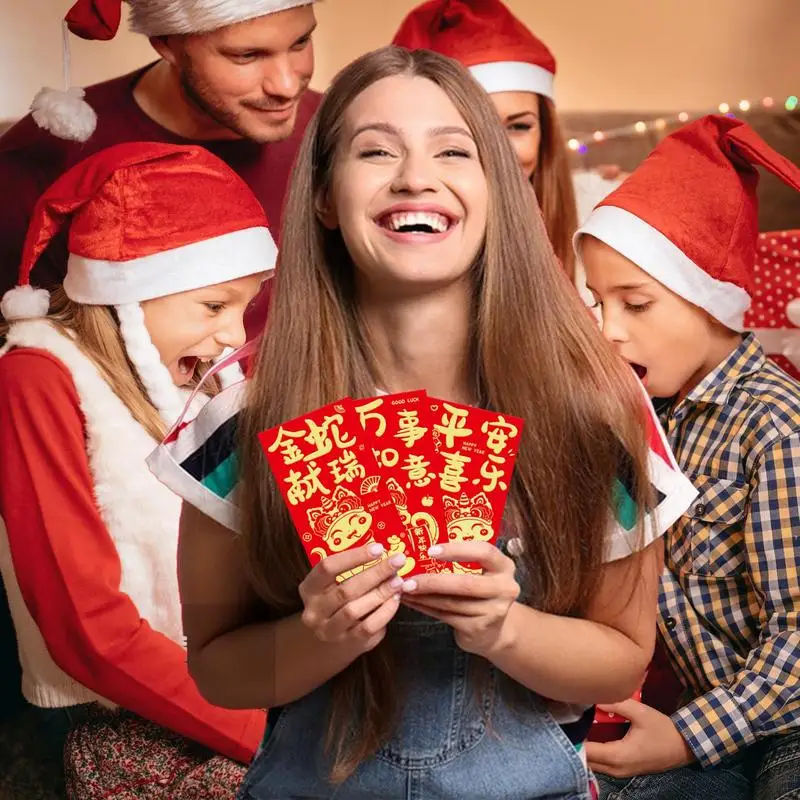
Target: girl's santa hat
(145, 220)
(688, 215)
(500, 52)
(65, 113)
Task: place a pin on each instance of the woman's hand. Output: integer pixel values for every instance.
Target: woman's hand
(475, 606)
(357, 610)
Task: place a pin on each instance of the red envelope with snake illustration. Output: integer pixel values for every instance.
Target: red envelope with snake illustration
(332, 485)
(399, 428)
(477, 451)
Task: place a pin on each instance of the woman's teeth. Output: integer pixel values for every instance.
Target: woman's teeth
(417, 221)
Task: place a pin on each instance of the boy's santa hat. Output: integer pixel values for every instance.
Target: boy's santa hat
(500, 52)
(688, 215)
(145, 220)
(65, 113)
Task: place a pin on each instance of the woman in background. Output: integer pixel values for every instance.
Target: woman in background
(518, 71)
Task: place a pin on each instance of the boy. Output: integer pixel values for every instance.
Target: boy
(667, 257)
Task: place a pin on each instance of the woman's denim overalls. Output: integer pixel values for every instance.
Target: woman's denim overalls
(442, 748)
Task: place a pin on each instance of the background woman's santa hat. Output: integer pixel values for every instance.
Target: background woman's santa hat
(500, 52)
(145, 220)
(688, 215)
(65, 113)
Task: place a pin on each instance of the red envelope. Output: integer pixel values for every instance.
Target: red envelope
(399, 429)
(477, 451)
(604, 718)
(332, 486)
(610, 727)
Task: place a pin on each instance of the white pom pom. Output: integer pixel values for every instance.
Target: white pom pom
(793, 311)
(25, 302)
(64, 113)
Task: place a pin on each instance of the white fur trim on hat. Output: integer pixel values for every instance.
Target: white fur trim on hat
(514, 76)
(662, 259)
(166, 17)
(25, 302)
(144, 356)
(192, 266)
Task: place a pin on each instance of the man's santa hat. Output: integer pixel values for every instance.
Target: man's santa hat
(688, 215)
(500, 52)
(65, 113)
(145, 220)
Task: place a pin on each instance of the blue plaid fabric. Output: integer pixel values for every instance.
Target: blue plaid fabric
(730, 593)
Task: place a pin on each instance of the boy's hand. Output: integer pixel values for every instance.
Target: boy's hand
(475, 606)
(652, 744)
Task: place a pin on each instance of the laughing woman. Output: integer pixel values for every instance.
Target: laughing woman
(410, 261)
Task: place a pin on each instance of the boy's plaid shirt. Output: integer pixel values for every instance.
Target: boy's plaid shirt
(730, 594)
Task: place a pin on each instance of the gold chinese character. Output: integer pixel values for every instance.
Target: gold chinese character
(289, 450)
(493, 473)
(302, 487)
(454, 424)
(452, 476)
(319, 436)
(365, 412)
(417, 469)
(410, 430)
(497, 437)
(387, 457)
(346, 468)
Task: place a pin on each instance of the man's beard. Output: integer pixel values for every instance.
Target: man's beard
(198, 95)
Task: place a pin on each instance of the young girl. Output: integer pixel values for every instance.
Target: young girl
(409, 262)
(518, 71)
(167, 248)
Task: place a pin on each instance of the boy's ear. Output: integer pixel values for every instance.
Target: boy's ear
(326, 213)
(720, 327)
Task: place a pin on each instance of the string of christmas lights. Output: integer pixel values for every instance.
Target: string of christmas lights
(581, 145)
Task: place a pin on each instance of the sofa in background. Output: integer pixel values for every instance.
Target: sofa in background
(779, 205)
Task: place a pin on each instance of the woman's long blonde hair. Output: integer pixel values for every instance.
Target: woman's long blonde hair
(537, 354)
(552, 183)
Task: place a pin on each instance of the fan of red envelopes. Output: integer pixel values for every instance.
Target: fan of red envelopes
(775, 313)
(405, 470)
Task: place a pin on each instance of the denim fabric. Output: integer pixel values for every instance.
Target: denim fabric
(778, 775)
(769, 771)
(730, 780)
(452, 740)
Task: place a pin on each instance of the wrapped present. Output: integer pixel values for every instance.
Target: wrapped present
(774, 316)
